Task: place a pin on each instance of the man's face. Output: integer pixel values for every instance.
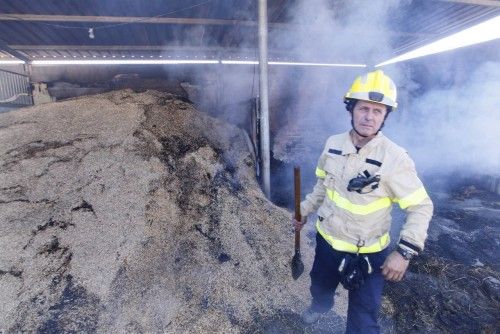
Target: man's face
(368, 117)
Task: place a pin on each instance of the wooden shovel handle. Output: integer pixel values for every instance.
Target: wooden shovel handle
(296, 183)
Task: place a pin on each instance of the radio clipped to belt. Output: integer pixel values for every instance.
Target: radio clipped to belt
(354, 269)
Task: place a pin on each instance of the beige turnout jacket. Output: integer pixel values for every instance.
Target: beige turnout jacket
(348, 219)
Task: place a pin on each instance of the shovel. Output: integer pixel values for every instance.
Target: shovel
(297, 265)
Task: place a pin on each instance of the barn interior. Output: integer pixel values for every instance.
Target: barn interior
(205, 54)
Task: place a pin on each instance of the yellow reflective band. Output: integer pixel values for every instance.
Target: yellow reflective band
(358, 209)
(345, 246)
(320, 173)
(414, 198)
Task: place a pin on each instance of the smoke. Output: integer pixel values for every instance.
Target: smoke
(447, 120)
(342, 31)
(447, 117)
(334, 32)
(353, 31)
(446, 107)
(307, 102)
(455, 128)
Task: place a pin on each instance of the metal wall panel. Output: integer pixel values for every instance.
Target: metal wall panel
(14, 89)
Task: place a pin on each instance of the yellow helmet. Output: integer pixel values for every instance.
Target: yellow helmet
(373, 87)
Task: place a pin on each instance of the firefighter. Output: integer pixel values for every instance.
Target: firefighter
(360, 174)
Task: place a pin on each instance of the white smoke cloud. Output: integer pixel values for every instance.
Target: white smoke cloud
(354, 31)
(456, 128)
(448, 117)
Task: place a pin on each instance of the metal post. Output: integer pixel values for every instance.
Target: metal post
(264, 99)
(28, 69)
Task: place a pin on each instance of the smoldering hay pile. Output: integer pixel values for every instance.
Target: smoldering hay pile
(133, 212)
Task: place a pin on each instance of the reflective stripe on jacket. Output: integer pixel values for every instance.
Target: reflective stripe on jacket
(365, 218)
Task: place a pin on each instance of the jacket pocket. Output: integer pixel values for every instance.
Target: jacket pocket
(325, 211)
(330, 169)
(330, 165)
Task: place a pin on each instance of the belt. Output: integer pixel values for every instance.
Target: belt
(344, 246)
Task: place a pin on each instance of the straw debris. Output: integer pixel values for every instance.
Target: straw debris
(133, 212)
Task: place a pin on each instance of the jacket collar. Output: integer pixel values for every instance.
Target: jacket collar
(349, 148)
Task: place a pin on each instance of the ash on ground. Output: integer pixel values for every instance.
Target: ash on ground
(454, 286)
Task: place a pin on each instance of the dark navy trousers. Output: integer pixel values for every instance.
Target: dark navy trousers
(364, 303)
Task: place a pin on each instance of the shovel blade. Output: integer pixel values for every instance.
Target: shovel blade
(297, 266)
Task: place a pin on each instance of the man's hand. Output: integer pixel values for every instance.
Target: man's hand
(394, 267)
(299, 224)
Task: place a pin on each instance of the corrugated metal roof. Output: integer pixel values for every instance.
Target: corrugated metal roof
(436, 19)
(194, 28)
